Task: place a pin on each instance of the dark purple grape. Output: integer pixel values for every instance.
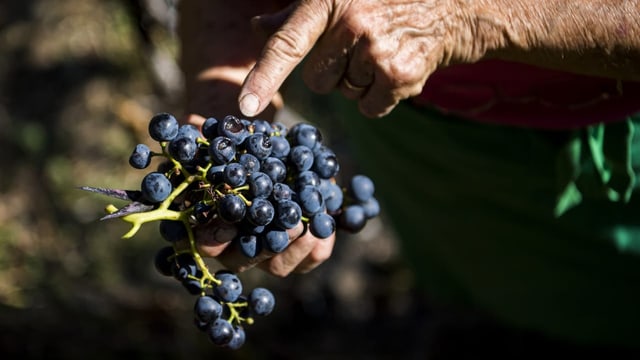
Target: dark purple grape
(325, 164)
(260, 212)
(232, 208)
(163, 127)
(215, 174)
(301, 158)
(250, 162)
(233, 128)
(222, 150)
(352, 218)
(189, 131)
(155, 187)
(230, 287)
(221, 332)
(261, 301)
(261, 126)
(202, 212)
(310, 200)
(173, 231)
(304, 134)
(280, 147)
(306, 178)
(140, 157)
(163, 261)
(183, 148)
(288, 214)
(322, 225)
(281, 192)
(258, 145)
(249, 245)
(361, 188)
(207, 309)
(260, 185)
(275, 168)
(235, 174)
(210, 128)
(275, 240)
(239, 338)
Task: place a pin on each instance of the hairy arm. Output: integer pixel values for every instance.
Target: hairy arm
(597, 37)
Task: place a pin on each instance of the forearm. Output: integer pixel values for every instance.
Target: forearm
(598, 37)
(218, 48)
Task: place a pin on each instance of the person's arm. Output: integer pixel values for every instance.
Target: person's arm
(596, 37)
(382, 52)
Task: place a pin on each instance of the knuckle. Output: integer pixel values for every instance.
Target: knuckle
(287, 44)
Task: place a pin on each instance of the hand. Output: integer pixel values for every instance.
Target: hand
(378, 53)
(304, 253)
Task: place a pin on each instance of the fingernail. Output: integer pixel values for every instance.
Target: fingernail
(249, 104)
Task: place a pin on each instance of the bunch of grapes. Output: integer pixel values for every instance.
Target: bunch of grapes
(263, 178)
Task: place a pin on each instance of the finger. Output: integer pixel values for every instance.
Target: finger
(284, 263)
(282, 53)
(320, 253)
(212, 240)
(379, 99)
(359, 74)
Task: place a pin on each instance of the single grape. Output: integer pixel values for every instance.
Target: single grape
(210, 128)
(222, 150)
(250, 163)
(183, 148)
(371, 208)
(163, 127)
(304, 134)
(281, 192)
(301, 158)
(189, 131)
(260, 185)
(232, 208)
(140, 157)
(310, 200)
(221, 332)
(261, 301)
(288, 214)
(173, 231)
(163, 261)
(275, 240)
(275, 168)
(306, 178)
(238, 339)
(361, 188)
(235, 174)
(230, 287)
(261, 126)
(259, 145)
(322, 225)
(352, 218)
(233, 128)
(249, 245)
(207, 309)
(215, 174)
(202, 212)
(260, 212)
(325, 164)
(280, 147)
(155, 187)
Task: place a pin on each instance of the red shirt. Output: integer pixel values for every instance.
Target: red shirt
(523, 95)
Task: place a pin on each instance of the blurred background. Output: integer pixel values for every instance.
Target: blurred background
(79, 80)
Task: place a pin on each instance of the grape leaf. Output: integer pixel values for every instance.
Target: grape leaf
(134, 207)
(133, 195)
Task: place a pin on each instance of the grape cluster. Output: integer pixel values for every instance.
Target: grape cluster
(263, 178)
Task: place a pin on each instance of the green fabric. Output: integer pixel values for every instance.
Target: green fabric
(539, 228)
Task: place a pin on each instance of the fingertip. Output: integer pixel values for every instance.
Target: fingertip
(249, 104)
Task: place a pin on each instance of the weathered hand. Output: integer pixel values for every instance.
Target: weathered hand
(304, 253)
(376, 52)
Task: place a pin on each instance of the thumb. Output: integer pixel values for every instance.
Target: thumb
(284, 50)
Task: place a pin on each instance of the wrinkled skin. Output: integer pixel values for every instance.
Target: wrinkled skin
(237, 54)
